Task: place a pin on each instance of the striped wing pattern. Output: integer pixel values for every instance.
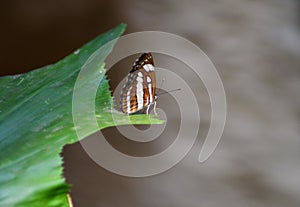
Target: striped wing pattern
(138, 92)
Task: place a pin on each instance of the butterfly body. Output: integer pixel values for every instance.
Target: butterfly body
(139, 91)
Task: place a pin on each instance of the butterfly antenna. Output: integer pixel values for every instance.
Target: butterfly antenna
(171, 91)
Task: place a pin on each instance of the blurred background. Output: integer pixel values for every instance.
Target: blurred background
(255, 46)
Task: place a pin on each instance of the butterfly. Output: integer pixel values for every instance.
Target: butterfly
(139, 91)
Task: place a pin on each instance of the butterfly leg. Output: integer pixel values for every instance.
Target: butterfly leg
(147, 110)
(154, 108)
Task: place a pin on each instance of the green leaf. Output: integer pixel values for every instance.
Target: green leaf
(45, 109)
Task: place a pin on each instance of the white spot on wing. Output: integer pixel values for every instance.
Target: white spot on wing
(150, 92)
(148, 79)
(139, 79)
(139, 94)
(148, 67)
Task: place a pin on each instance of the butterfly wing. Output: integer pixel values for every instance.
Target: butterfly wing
(139, 90)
